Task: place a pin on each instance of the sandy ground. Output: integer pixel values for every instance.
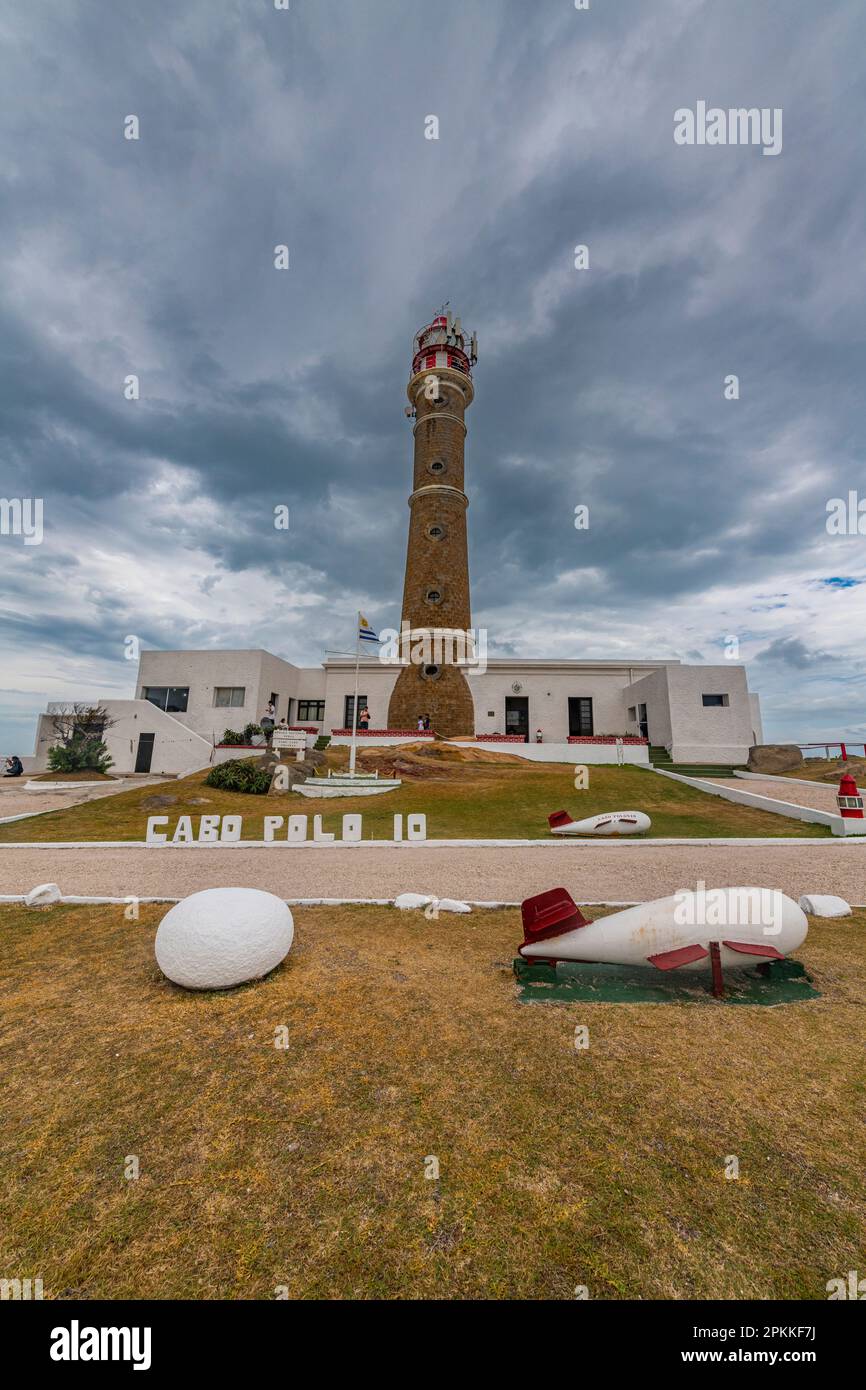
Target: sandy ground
(15, 799)
(592, 874)
(819, 796)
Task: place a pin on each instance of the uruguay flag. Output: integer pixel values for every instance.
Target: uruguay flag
(365, 632)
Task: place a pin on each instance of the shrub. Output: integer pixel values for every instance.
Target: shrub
(251, 729)
(80, 755)
(239, 775)
(233, 736)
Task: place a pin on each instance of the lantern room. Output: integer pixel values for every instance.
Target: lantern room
(443, 344)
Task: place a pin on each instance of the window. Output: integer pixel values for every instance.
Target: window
(172, 698)
(350, 708)
(632, 713)
(229, 696)
(712, 700)
(311, 711)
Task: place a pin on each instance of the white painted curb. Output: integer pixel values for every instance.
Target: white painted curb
(76, 900)
(615, 846)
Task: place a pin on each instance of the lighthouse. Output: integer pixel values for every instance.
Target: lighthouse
(436, 614)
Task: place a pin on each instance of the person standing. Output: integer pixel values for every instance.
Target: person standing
(268, 720)
(364, 719)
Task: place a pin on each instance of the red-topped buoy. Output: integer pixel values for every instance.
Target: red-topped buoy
(849, 799)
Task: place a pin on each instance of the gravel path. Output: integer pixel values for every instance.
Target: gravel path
(819, 796)
(594, 873)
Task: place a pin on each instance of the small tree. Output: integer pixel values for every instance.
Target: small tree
(79, 730)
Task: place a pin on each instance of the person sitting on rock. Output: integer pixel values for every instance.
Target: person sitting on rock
(14, 766)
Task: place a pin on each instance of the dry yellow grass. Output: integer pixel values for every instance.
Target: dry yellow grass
(305, 1167)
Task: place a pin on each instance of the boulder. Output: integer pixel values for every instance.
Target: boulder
(43, 895)
(774, 757)
(222, 937)
(825, 905)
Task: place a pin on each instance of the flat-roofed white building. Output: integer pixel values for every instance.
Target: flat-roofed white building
(184, 701)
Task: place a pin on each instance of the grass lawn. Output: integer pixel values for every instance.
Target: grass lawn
(477, 801)
(305, 1167)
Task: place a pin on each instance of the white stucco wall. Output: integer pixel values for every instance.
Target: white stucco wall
(717, 733)
(757, 720)
(652, 690)
(375, 680)
(548, 687)
(177, 749)
(259, 672)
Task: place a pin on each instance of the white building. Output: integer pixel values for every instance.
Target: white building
(184, 701)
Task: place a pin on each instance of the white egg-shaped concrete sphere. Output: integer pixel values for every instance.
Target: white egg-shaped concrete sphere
(223, 937)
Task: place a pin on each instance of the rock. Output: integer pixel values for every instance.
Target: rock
(410, 900)
(43, 895)
(406, 901)
(156, 803)
(314, 758)
(824, 905)
(223, 937)
(774, 757)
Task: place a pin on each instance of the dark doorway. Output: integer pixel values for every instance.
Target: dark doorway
(579, 716)
(517, 716)
(145, 752)
(350, 708)
(642, 721)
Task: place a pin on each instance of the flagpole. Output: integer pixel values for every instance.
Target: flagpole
(355, 701)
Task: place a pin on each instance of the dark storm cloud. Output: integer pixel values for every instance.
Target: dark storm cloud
(790, 651)
(259, 387)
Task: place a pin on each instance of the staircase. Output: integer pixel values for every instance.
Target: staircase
(660, 757)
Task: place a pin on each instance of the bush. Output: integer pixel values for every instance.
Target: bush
(239, 775)
(81, 755)
(251, 729)
(234, 737)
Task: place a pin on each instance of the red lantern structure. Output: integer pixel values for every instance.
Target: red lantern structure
(849, 799)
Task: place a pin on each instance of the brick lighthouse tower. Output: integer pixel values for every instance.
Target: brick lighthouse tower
(436, 611)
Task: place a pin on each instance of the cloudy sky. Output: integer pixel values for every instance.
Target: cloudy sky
(603, 387)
